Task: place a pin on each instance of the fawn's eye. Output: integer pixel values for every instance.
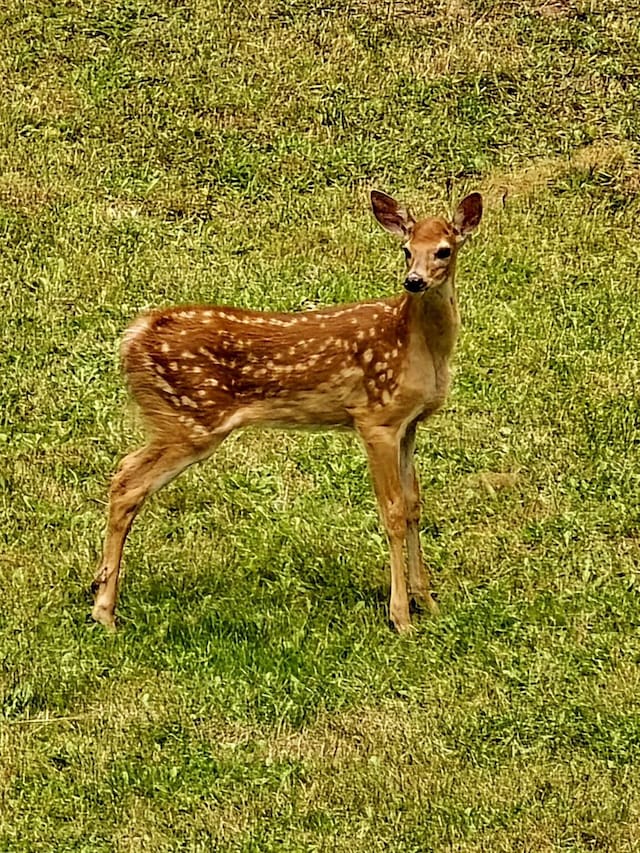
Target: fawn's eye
(407, 252)
(443, 253)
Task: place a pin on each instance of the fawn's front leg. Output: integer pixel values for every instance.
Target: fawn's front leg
(383, 449)
(418, 578)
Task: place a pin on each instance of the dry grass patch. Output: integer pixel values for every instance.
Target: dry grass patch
(384, 778)
(620, 157)
(493, 481)
(26, 193)
(365, 777)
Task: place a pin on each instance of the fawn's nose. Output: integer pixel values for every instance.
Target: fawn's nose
(413, 283)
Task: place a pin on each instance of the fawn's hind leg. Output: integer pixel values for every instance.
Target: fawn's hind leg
(139, 475)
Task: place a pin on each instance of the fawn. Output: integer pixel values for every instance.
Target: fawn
(197, 372)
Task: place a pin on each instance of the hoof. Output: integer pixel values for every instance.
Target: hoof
(401, 626)
(103, 617)
(424, 603)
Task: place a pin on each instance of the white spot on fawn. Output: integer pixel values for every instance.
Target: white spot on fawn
(164, 386)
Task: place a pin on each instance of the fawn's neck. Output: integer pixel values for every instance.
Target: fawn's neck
(434, 316)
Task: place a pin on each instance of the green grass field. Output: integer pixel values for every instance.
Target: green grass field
(254, 698)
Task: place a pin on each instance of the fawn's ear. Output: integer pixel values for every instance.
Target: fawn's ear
(468, 215)
(391, 215)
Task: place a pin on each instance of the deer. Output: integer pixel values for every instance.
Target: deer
(378, 367)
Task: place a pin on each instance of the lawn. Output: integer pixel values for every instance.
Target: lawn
(254, 699)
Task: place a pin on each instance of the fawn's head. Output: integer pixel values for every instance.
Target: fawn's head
(430, 245)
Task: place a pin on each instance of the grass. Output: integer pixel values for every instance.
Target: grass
(254, 699)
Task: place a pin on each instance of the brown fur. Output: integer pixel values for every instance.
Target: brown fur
(198, 372)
